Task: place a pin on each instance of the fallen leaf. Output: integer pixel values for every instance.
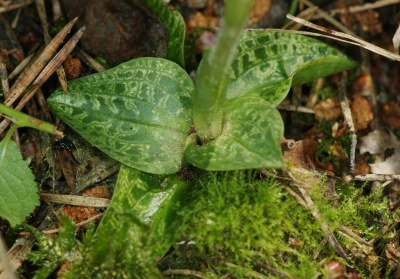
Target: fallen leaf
(377, 142)
(391, 115)
(260, 9)
(328, 109)
(362, 112)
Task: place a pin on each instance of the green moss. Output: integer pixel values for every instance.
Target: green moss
(237, 220)
(122, 253)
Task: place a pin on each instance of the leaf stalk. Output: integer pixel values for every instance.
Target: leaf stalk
(210, 89)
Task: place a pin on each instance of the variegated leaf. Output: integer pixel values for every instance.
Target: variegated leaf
(267, 60)
(138, 113)
(251, 132)
(154, 199)
(175, 26)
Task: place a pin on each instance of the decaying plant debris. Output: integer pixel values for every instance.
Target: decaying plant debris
(329, 211)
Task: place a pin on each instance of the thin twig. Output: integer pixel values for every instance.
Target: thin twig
(272, 270)
(324, 226)
(34, 69)
(186, 272)
(373, 177)
(46, 73)
(21, 4)
(296, 108)
(21, 66)
(90, 61)
(343, 37)
(306, 14)
(351, 234)
(5, 261)
(252, 272)
(80, 224)
(344, 103)
(75, 200)
(14, 22)
(4, 78)
(18, 252)
(41, 8)
(299, 199)
(56, 9)
(328, 18)
(361, 8)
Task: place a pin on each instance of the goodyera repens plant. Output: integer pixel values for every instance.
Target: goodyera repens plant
(147, 113)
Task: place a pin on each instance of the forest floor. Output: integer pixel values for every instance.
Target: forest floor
(343, 130)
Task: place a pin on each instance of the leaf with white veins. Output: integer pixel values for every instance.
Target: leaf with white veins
(138, 113)
(252, 129)
(267, 60)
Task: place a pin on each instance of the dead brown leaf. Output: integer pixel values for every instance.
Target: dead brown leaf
(391, 115)
(260, 9)
(362, 112)
(328, 109)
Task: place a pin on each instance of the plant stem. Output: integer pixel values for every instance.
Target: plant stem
(23, 120)
(210, 89)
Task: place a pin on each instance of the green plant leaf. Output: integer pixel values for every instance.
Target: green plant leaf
(138, 113)
(252, 129)
(176, 28)
(154, 199)
(267, 60)
(18, 190)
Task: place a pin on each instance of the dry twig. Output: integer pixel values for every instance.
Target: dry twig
(13, 6)
(17, 254)
(186, 272)
(328, 18)
(35, 68)
(296, 108)
(361, 8)
(46, 73)
(354, 236)
(3, 77)
(8, 270)
(343, 37)
(324, 226)
(75, 200)
(41, 8)
(344, 103)
(80, 224)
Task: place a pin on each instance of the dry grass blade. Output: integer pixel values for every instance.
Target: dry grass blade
(17, 254)
(344, 103)
(3, 77)
(75, 200)
(324, 226)
(343, 37)
(46, 73)
(77, 225)
(5, 261)
(192, 273)
(19, 4)
(21, 66)
(351, 234)
(90, 61)
(34, 69)
(41, 8)
(361, 8)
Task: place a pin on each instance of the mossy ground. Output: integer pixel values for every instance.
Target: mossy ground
(242, 225)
